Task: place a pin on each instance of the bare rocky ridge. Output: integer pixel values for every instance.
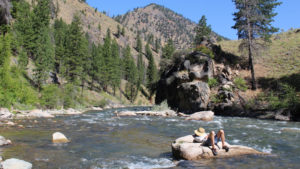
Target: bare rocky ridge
(162, 23)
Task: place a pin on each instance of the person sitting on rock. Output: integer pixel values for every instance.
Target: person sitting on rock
(210, 139)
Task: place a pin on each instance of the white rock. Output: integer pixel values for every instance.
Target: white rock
(71, 111)
(10, 123)
(39, 113)
(226, 87)
(4, 142)
(97, 108)
(58, 137)
(126, 113)
(16, 164)
(203, 115)
(5, 113)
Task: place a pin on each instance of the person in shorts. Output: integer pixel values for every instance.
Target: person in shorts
(210, 139)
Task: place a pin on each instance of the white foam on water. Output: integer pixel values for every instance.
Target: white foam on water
(90, 121)
(235, 141)
(269, 129)
(134, 163)
(149, 163)
(267, 149)
(252, 126)
(172, 120)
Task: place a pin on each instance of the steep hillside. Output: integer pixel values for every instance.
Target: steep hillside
(157, 22)
(280, 58)
(94, 23)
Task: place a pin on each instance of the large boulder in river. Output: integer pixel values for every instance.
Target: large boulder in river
(185, 148)
(4, 142)
(58, 137)
(184, 83)
(16, 164)
(203, 115)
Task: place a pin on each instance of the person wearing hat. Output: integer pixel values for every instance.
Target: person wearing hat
(210, 139)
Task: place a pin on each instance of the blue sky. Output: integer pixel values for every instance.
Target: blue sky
(218, 12)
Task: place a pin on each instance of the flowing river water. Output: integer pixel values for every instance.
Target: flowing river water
(102, 140)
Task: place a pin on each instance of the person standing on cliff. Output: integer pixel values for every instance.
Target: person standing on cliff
(210, 139)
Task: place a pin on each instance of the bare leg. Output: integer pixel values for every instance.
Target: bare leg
(221, 135)
(211, 136)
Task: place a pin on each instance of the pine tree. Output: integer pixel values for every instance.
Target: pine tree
(116, 72)
(141, 70)
(157, 45)
(106, 68)
(119, 31)
(202, 30)
(168, 50)
(60, 37)
(253, 20)
(44, 61)
(123, 31)
(139, 45)
(152, 74)
(76, 51)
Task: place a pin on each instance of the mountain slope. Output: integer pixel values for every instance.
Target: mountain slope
(95, 23)
(161, 23)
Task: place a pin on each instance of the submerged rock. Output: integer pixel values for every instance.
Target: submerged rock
(126, 113)
(14, 163)
(58, 137)
(203, 115)
(185, 148)
(4, 142)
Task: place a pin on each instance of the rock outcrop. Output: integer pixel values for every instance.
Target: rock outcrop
(5, 15)
(185, 148)
(203, 115)
(184, 83)
(14, 163)
(58, 137)
(4, 142)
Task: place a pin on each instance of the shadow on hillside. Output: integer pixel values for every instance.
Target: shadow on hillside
(272, 83)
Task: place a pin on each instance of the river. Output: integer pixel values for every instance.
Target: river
(102, 140)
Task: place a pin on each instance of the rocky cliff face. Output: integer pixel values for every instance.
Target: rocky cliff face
(5, 12)
(184, 84)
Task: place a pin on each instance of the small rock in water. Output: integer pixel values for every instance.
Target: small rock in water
(14, 163)
(203, 115)
(4, 142)
(39, 113)
(58, 137)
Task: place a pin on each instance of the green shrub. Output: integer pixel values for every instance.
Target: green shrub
(205, 50)
(70, 95)
(240, 83)
(216, 98)
(212, 82)
(103, 103)
(50, 96)
(162, 106)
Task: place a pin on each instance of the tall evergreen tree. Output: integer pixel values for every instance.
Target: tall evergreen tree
(141, 70)
(139, 45)
(253, 20)
(60, 37)
(116, 72)
(152, 75)
(202, 30)
(168, 50)
(157, 45)
(106, 68)
(76, 51)
(44, 61)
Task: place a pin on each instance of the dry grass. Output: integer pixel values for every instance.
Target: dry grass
(280, 58)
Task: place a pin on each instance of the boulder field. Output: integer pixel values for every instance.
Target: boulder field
(185, 148)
